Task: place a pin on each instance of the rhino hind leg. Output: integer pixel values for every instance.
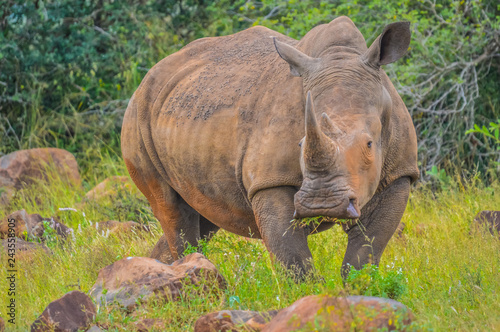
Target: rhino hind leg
(207, 229)
(273, 209)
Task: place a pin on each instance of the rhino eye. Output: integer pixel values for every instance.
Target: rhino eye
(300, 143)
(370, 144)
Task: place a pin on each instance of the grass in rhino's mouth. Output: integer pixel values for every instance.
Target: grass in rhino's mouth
(318, 220)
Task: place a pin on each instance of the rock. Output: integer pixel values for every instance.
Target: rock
(72, 312)
(134, 278)
(149, 324)
(490, 220)
(23, 247)
(109, 187)
(31, 226)
(121, 227)
(24, 167)
(2, 325)
(161, 251)
(229, 320)
(95, 328)
(358, 313)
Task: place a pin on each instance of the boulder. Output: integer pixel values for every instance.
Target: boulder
(31, 226)
(109, 187)
(24, 167)
(121, 227)
(230, 320)
(358, 313)
(490, 220)
(72, 312)
(161, 251)
(23, 247)
(137, 278)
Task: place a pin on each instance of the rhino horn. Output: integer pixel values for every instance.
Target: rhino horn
(329, 126)
(318, 149)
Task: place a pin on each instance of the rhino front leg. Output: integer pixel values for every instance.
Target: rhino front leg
(379, 220)
(273, 209)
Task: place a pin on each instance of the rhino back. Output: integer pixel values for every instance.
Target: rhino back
(214, 118)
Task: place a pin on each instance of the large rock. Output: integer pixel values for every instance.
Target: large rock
(352, 313)
(109, 187)
(31, 226)
(234, 320)
(489, 220)
(72, 312)
(24, 167)
(134, 278)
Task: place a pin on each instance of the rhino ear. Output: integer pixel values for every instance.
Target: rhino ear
(299, 62)
(391, 45)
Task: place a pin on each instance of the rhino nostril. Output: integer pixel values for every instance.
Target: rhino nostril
(352, 212)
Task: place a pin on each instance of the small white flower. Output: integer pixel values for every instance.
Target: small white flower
(68, 209)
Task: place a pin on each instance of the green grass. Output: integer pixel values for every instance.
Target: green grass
(446, 274)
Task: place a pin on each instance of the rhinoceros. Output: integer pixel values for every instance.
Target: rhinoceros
(254, 131)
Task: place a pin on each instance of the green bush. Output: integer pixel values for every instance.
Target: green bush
(68, 68)
(370, 281)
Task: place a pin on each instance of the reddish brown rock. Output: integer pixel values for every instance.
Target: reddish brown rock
(489, 220)
(109, 187)
(121, 227)
(230, 320)
(2, 325)
(161, 251)
(24, 167)
(358, 313)
(134, 278)
(31, 226)
(72, 312)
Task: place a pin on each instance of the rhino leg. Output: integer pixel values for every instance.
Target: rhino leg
(207, 228)
(379, 220)
(161, 251)
(273, 209)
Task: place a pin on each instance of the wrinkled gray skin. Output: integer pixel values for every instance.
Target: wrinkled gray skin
(211, 137)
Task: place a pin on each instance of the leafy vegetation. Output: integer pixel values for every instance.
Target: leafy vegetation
(68, 68)
(444, 269)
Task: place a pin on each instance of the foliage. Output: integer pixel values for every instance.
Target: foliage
(447, 275)
(68, 68)
(370, 282)
(489, 144)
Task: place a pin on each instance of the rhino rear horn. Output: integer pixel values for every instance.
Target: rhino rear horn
(390, 46)
(299, 62)
(329, 127)
(318, 149)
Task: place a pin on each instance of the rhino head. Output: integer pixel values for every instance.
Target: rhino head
(342, 153)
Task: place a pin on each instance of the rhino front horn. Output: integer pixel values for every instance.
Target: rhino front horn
(318, 149)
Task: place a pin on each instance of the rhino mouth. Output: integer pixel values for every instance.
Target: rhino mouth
(333, 206)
